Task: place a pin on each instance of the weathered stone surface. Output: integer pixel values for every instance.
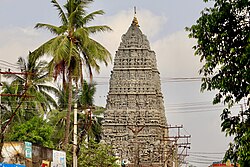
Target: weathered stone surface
(135, 122)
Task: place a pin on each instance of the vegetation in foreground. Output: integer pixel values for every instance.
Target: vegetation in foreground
(41, 113)
(223, 44)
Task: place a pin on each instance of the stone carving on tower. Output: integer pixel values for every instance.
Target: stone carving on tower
(135, 122)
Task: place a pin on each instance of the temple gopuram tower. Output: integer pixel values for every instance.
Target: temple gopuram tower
(135, 122)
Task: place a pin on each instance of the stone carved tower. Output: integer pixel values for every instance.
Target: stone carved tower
(134, 122)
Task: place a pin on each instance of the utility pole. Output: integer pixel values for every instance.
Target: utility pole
(177, 158)
(22, 96)
(75, 136)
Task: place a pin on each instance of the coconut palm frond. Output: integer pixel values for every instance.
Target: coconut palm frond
(61, 13)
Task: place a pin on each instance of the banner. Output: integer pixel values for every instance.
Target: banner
(28, 150)
(59, 159)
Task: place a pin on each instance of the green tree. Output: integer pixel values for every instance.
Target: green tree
(35, 81)
(9, 105)
(89, 125)
(96, 154)
(86, 95)
(223, 44)
(28, 94)
(57, 117)
(36, 130)
(72, 47)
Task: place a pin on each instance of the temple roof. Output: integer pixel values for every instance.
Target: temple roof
(134, 38)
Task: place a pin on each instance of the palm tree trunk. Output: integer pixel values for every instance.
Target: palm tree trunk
(64, 80)
(67, 128)
(81, 65)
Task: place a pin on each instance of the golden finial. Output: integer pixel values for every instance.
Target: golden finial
(135, 21)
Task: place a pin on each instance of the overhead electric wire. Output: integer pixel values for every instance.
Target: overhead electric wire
(188, 112)
(194, 107)
(191, 103)
(104, 80)
(186, 131)
(180, 79)
(163, 79)
(8, 63)
(193, 110)
(8, 66)
(204, 160)
(205, 156)
(199, 162)
(209, 153)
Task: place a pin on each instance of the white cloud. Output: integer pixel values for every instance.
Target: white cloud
(18, 41)
(120, 23)
(151, 24)
(175, 56)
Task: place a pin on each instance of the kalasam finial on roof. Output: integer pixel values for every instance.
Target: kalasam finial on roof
(135, 20)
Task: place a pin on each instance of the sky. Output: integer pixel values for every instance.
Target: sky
(163, 22)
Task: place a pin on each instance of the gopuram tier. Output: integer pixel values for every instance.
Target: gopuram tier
(135, 122)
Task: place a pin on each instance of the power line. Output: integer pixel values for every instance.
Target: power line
(204, 160)
(8, 63)
(168, 78)
(7, 66)
(199, 162)
(163, 79)
(192, 107)
(190, 103)
(191, 111)
(195, 107)
(204, 156)
(209, 153)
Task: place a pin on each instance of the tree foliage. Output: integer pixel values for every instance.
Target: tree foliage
(27, 94)
(36, 130)
(223, 44)
(86, 95)
(96, 154)
(72, 48)
(9, 105)
(35, 79)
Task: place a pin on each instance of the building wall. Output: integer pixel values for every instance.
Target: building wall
(16, 153)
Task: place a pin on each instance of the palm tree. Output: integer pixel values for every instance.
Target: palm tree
(35, 80)
(86, 95)
(31, 83)
(9, 104)
(87, 125)
(72, 47)
(57, 118)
